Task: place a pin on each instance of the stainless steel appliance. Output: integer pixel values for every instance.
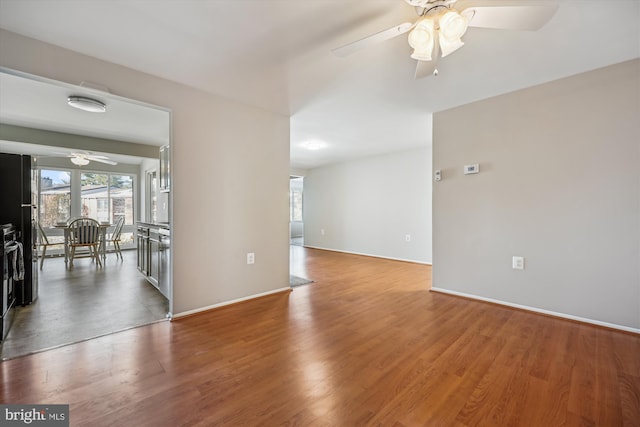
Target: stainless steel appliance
(18, 197)
(8, 295)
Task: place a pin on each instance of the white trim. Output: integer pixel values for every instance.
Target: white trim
(222, 304)
(364, 254)
(539, 310)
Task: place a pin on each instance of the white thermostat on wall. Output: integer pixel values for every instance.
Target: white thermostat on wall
(469, 169)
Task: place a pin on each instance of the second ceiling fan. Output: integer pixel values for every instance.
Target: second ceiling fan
(439, 29)
(83, 159)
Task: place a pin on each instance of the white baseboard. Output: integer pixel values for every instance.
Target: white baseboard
(222, 304)
(539, 310)
(365, 254)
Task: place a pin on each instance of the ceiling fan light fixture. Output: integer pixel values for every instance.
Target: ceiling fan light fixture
(452, 28)
(86, 104)
(79, 161)
(449, 47)
(453, 25)
(421, 39)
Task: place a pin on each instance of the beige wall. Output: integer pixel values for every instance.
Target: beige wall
(559, 184)
(230, 165)
(368, 206)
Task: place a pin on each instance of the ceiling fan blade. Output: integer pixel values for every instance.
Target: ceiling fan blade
(109, 162)
(94, 157)
(523, 17)
(372, 39)
(428, 68)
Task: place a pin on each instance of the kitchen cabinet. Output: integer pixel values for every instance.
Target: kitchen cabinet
(142, 237)
(154, 261)
(164, 257)
(165, 169)
(153, 254)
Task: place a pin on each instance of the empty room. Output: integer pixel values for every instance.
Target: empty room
(349, 213)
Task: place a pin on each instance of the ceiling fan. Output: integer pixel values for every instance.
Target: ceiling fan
(440, 26)
(83, 159)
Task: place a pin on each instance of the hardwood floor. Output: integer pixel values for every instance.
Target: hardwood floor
(366, 344)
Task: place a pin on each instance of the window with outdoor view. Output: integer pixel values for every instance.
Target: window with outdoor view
(103, 196)
(296, 205)
(55, 196)
(295, 199)
(107, 197)
(121, 196)
(95, 196)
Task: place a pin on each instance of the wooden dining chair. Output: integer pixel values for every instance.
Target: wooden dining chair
(114, 238)
(43, 243)
(85, 232)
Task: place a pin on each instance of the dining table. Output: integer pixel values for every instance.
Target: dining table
(102, 247)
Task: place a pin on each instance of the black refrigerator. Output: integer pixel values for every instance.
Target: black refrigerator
(18, 206)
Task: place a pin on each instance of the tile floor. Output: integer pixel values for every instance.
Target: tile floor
(82, 303)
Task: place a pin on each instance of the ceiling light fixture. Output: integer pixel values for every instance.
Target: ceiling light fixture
(440, 26)
(422, 39)
(452, 28)
(79, 161)
(449, 28)
(314, 145)
(87, 104)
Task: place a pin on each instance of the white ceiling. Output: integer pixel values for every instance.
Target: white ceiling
(41, 103)
(276, 54)
(22, 99)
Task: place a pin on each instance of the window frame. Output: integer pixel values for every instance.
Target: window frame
(75, 192)
(40, 201)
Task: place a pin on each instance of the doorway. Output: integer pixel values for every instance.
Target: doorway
(86, 301)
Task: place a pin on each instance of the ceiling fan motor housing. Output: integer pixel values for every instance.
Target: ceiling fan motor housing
(427, 4)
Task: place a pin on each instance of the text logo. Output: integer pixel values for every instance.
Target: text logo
(35, 415)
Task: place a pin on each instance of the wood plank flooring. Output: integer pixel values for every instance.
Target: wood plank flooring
(367, 344)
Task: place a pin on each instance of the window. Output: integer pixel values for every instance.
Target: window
(295, 199)
(121, 196)
(95, 196)
(107, 197)
(296, 205)
(100, 195)
(55, 196)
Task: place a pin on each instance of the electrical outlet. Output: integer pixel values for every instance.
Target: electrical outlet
(517, 263)
(407, 237)
(322, 231)
(251, 258)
